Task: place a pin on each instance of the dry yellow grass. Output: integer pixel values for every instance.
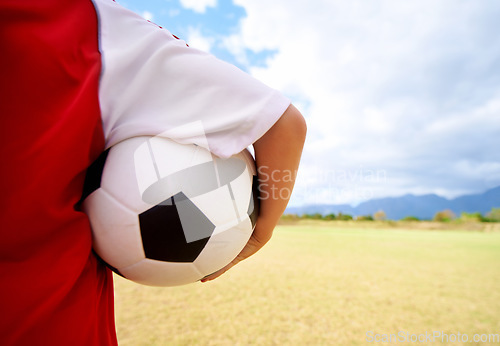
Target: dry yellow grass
(324, 285)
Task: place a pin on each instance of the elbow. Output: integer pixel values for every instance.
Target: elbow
(290, 129)
(297, 125)
(301, 126)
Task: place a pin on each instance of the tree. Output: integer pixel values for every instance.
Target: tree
(330, 217)
(410, 218)
(444, 216)
(380, 215)
(493, 215)
(364, 218)
(344, 217)
(315, 216)
(471, 217)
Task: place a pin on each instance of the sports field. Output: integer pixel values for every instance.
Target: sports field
(325, 284)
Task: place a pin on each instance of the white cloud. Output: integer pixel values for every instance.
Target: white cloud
(199, 6)
(196, 40)
(147, 15)
(412, 88)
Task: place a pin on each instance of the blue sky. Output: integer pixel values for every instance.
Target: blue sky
(205, 24)
(400, 96)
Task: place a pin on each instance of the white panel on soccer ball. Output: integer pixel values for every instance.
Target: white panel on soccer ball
(222, 248)
(241, 188)
(201, 155)
(158, 273)
(116, 239)
(171, 157)
(218, 207)
(119, 175)
(145, 170)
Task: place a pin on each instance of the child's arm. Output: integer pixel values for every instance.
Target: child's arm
(277, 155)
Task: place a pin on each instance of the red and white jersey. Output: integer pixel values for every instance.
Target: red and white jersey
(77, 77)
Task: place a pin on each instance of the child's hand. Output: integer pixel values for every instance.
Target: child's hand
(259, 238)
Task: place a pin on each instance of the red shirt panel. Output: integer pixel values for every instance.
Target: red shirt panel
(52, 288)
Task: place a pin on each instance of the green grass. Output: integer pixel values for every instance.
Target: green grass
(324, 285)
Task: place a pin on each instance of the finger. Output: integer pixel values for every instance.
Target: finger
(250, 248)
(217, 273)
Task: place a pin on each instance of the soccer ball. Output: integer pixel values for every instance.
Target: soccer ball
(168, 214)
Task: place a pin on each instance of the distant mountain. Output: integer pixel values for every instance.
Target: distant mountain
(423, 207)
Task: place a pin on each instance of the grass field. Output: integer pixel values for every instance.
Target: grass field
(318, 284)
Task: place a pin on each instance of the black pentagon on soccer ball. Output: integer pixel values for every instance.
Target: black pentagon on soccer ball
(167, 227)
(93, 175)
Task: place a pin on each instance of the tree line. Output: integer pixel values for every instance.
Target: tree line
(441, 216)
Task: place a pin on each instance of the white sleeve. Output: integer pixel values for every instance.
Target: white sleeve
(153, 84)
